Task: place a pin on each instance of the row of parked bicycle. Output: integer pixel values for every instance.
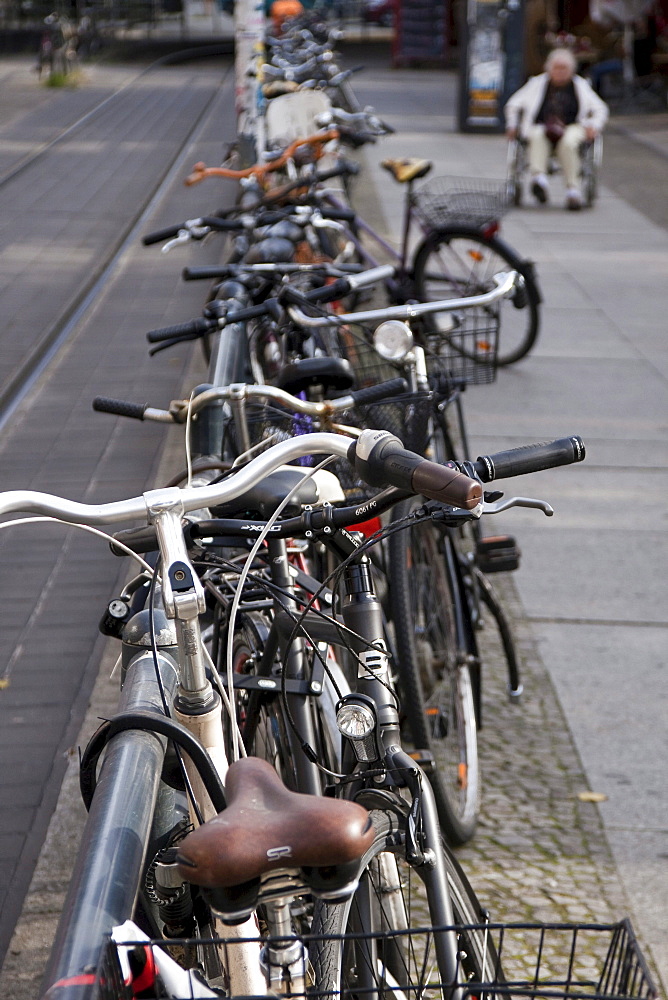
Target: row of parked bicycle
(295, 754)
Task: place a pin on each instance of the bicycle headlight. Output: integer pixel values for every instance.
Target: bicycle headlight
(393, 340)
(356, 720)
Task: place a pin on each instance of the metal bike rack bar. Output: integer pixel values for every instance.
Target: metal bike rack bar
(114, 838)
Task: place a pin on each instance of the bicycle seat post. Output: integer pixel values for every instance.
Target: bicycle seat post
(408, 217)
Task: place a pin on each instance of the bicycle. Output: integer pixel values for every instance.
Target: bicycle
(402, 839)
(123, 809)
(458, 254)
(439, 673)
(438, 581)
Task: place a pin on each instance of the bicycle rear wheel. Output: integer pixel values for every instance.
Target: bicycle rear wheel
(458, 261)
(389, 953)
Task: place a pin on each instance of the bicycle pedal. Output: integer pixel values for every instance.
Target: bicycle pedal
(497, 554)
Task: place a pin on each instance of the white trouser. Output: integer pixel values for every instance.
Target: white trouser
(567, 150)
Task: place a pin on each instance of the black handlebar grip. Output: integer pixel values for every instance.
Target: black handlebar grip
(120, 407)
(530, 458)
(381, 460)
(326, 293)
(384, 390)
(194, 328)
(346, 168)
(270, 307)
(203, 273)
(161, 235)
(220, 224)
(343, 214)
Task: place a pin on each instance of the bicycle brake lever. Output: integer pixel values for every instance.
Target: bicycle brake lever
(189, 232)
(183, 236)
(499, 505)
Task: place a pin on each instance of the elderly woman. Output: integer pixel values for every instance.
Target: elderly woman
(556, 110)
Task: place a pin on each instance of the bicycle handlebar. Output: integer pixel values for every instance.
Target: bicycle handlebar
(271, 307)
(381, 460)
(179, 408)
(200, 170)
(505, 285)
(206, 222)
(403, 468)
(198, 327)
(211, 272)
(138, 411)
(378, 457)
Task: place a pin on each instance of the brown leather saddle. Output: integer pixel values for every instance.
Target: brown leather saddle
(266, 827)
(409, 169)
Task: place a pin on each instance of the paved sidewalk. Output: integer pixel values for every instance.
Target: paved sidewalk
(593, 579)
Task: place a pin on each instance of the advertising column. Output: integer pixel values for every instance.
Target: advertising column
(249, 29)
(492, 63)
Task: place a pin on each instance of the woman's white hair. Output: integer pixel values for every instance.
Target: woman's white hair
(561, 56)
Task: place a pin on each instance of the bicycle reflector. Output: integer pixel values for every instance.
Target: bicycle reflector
(357, 721)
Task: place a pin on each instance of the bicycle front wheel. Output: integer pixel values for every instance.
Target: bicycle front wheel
(458, 261)
(429, 617)
(389, 948)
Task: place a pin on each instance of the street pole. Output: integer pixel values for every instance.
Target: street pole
(249, 28)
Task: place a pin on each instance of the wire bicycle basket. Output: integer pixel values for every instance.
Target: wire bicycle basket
(404, 415)
(443, 201)
(552, 961)
(466, 354)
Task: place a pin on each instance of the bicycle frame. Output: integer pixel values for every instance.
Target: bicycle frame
(399, 258)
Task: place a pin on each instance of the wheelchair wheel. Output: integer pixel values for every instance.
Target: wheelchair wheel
(515, 171)
(591, 161)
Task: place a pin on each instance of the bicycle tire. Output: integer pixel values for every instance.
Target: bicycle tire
(514, 190)
(505, 632)
(434, 656)
(397, 904)
(457, 261)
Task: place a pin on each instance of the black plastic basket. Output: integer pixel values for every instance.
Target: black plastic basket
(551, 961)
(443, 201)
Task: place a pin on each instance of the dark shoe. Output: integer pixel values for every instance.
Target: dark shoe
(573, 202)
(539, 191)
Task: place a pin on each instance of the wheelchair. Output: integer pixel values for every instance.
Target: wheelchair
(591, 154)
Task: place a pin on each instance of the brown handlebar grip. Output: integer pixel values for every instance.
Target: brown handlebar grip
(440, 482)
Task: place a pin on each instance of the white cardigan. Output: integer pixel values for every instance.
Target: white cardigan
(523, 106)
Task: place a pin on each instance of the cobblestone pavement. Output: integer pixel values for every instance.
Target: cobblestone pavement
(540, 852)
